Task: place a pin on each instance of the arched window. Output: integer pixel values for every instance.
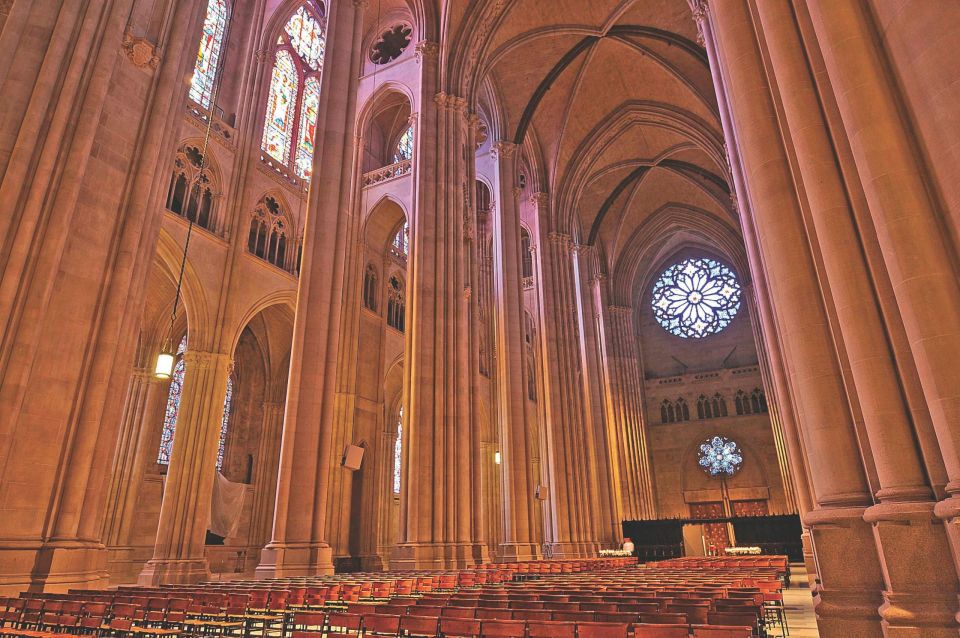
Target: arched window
(190, 194)
(758, 401)
(173, 411)
(370, 288)
(269, 235)
(395, 304)
(719, 405)
(404, 149)
(208, 57)
(173, 407)
(742, 403)
(401, 241)
(294, 97)
(526, 254)
(398, 453)
(703, 408)
(683, 411)
(225, 422)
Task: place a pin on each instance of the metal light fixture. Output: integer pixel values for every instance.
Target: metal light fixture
(496, 457)
(166, 359)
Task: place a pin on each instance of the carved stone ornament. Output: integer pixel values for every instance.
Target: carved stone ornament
(140, 51)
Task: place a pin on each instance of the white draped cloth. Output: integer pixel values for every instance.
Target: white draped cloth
(226, 506)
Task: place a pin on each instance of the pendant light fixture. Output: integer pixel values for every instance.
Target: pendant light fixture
(167, 358)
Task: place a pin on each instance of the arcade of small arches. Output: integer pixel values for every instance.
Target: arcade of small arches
(547, 272)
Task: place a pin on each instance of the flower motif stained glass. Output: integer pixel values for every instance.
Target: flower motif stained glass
(696, 298)
(208, 57)
(278, 127)
(404, 149)
(398, 453)
(173, 407)
(306, 38)
(720, 456)
(308, 127)
(225, 422)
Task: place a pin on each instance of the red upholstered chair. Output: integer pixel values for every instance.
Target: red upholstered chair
(602, 630)
(459, 627)
(551, 629)
(503, 629)
(421, 626)
(713, 631)
(660, 631)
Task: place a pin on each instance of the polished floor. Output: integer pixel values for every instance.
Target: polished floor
(801, 620)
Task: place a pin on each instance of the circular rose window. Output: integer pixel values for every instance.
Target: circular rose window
(719, 456)
(696, 298)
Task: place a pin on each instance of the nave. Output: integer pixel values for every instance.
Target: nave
(714, 597)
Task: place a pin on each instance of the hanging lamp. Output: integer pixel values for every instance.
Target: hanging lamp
(166, 359)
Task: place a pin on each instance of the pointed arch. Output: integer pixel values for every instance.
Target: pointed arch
(210, 52)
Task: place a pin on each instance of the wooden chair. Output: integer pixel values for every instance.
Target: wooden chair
(551, 629)
(380, 625)
(503, 629)
(420, 626)
(713, 631)
(602, 630)
(459, 627)
(660, 631)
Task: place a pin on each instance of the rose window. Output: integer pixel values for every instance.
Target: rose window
(720, 456)
(696, 298)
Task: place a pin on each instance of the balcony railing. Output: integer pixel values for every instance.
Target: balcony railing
(387, 173)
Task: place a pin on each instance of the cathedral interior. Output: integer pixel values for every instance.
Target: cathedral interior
(455, 300)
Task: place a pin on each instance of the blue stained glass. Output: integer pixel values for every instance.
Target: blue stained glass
(696, 298)
(398, 453)
(306, 38)
(173, 407)
(719, 455)
(225, 422)
(404, 150)
(208, 56)
(401, 241)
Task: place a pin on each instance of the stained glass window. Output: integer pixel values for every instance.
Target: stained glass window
(225, 422)
(278, 126)
(720, 456)
(404, 149)
(398, 453)
(208, 57)
(306, 38)
(696, 298)
(308, 126)
(173, 407)
(401, 241)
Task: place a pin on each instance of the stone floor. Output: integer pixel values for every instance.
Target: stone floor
(799, 603)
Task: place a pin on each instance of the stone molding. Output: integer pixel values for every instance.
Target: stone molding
(143, 53)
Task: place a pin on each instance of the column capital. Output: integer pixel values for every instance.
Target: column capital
(361, 4)
(450, 102)
(540, 198)
(619, 311)
(699, 10)
(503, 148)
(560, 239)
(427, 49)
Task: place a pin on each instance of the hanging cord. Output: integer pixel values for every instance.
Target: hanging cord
(221, 62)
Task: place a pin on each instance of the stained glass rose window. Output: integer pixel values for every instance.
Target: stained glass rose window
(696, 298)
(720, 456)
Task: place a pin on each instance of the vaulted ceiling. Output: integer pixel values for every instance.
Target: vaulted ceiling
(615, 101)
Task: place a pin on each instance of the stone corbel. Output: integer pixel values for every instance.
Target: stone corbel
(426, 49)
(143, 53)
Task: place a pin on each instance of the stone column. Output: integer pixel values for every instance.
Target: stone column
(562, 404)
(849, 567)
(440, 526)
(178, 555)
(299, 544)
(88, 123)
(904, 494)
(265, 472)
(518, 483)
(906, 218)
(145, 398)
(627, 419)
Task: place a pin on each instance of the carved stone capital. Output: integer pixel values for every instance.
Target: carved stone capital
(196, 360)
(619, 311)
(427, 49)
(540, 199)
(562, 240)
(143, 53)
(503, 148)
(361, 4)
(446, 101)
(699, 10)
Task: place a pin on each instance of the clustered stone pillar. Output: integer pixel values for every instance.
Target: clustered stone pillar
(440, 525)
(849, 565)
(178, 553)
(87, 124)
(568, 525)
(299, 545)
(626, 420)
(145, 398)
(515, 468)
